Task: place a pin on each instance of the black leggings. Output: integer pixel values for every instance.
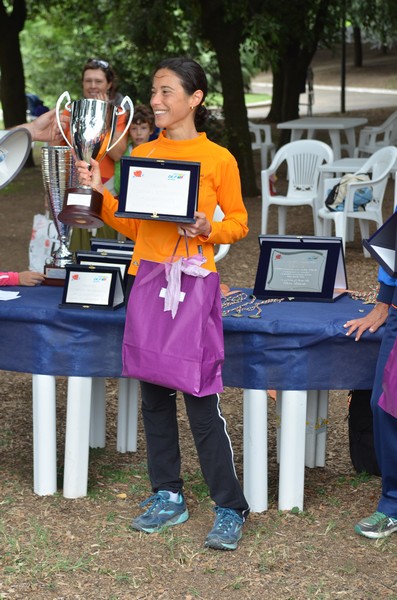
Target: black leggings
(210, 435)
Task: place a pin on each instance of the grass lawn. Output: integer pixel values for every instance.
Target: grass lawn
(217, 99)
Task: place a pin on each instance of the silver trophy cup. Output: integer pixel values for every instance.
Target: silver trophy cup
(59, 174)
(92, 126)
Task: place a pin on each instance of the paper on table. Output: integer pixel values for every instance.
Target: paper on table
(9, 295)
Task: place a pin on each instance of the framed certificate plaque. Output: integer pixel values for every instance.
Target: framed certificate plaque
(106, 246)
(159, 190)
(301, 268)
(90, 257)
(92, 286)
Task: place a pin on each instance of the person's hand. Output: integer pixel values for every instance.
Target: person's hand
(45, 127)
(371, 322)
(30, 278)
(201, 227)
(90, 174)
(104, 96)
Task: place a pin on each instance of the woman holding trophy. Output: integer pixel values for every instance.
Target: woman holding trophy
(178, 93)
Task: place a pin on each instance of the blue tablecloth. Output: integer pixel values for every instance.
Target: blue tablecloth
(293, 346)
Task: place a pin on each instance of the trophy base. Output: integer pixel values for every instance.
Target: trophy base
(54, 275)
(80, 212)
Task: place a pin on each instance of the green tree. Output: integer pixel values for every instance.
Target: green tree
(299, 26)
(12, 87)
(225, 29)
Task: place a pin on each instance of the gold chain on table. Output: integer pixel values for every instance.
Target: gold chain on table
(367, 297)
(237, 303)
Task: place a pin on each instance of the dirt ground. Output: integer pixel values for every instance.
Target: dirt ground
(52, 548)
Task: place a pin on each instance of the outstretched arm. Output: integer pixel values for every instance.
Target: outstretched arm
(45, 128)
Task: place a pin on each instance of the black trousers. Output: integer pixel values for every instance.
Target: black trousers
(210, 435)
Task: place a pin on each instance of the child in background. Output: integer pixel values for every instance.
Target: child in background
(141, 128)
(24, 278)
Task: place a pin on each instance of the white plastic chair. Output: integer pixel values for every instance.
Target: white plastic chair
(378, 167)
(372, 139)
(222, 249)
(262, 141)
(303, 158)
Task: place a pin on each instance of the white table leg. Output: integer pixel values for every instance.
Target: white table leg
(292, 450)
(321, 429)
(44, 435)
(334, 134)
(296, 134)
(255, 449)
(279, 394)
(98, 413)
(351, 140)
(127, 417)
(77, 437)
(311, 422)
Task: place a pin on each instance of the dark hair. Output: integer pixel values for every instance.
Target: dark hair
(143, 114)
(192, 78)
(97, 63)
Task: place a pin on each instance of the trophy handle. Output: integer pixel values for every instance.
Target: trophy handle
(68, 107)
(118, 111)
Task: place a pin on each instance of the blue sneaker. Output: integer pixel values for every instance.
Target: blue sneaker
(161, 513)
(226, 531)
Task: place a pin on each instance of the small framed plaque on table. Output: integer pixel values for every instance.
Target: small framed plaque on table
(301, 268)
(106, 246)
(159, 190)
(92, 286)
(122, 261)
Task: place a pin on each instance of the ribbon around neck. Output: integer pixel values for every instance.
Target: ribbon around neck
(173, 273)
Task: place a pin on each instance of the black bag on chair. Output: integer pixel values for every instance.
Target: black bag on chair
(361, 439)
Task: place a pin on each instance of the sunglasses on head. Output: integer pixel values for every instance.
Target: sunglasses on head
(98, 63)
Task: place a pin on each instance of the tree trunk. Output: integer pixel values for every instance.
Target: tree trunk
(12, 85)
(295, 53)
(226, 37)
(289, 80)
(358, 47)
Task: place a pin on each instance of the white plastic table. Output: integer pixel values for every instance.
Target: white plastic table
(335, 127)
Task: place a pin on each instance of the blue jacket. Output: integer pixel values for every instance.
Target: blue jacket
(387, 285)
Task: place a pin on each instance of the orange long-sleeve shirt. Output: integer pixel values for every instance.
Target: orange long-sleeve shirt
(219, 184)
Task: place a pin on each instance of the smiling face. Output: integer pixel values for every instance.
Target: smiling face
(173, 108)
(95, 84)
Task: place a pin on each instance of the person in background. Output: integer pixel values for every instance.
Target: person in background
(179, 88)
(141, 128)
(99, 82)
(29, 278)
(383, 522)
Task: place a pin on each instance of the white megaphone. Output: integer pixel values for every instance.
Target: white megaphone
(15, 146)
